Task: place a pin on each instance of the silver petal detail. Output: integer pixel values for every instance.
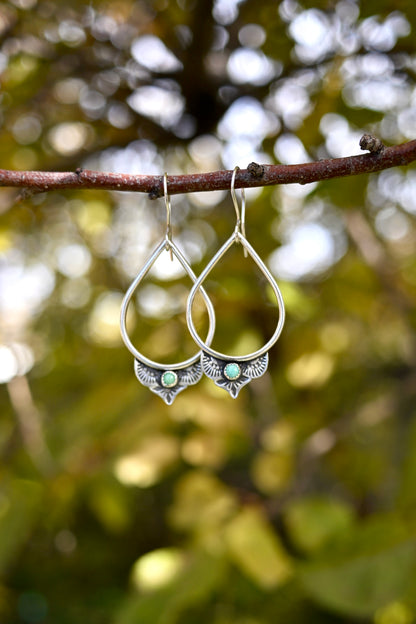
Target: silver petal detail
(257, 367)
(146, 375)
(212, 367)
(151, 377)
(191, 374)
(251, 369)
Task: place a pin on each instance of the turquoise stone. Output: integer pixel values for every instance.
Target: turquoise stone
(232, 371)
(169, 379)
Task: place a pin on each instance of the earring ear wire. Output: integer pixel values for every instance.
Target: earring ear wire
(241, 215)
(168, 215)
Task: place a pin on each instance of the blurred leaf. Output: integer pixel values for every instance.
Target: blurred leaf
(201, 502)
(201, 577)
(360, 586)
(158, 568)
(110, 503)
(257, 550)
(20, 505)
(395, 613)
(272, 472)
(314, 522)
(377, 566)
(407, 491)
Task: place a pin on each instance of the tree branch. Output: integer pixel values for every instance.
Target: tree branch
(255, 175)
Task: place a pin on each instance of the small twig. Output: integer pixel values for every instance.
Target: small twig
(26, 193)
(255, 175)
(30, 423)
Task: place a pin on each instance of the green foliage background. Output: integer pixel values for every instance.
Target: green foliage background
(295, 502)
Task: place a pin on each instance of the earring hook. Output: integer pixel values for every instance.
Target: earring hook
(168, 235)
(240, 226)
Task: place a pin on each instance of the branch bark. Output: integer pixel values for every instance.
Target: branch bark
(255, 175)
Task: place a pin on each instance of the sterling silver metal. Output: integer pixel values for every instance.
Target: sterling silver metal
(219, 366)
(166, 380)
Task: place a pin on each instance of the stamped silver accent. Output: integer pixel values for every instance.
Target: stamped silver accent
(214, 368)
(153, 379)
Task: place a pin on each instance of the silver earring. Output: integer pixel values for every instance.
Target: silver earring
(165, 380)
(232, 372)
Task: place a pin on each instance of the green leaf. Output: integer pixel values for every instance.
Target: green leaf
(314, 522)
(360, 586)
(375, 566)
(256, 549)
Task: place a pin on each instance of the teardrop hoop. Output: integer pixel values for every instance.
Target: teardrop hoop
(236, 237)
(168, 246)
(167, 380)
(232, 372)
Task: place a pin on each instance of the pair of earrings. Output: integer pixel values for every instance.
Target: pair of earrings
(230, 372)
